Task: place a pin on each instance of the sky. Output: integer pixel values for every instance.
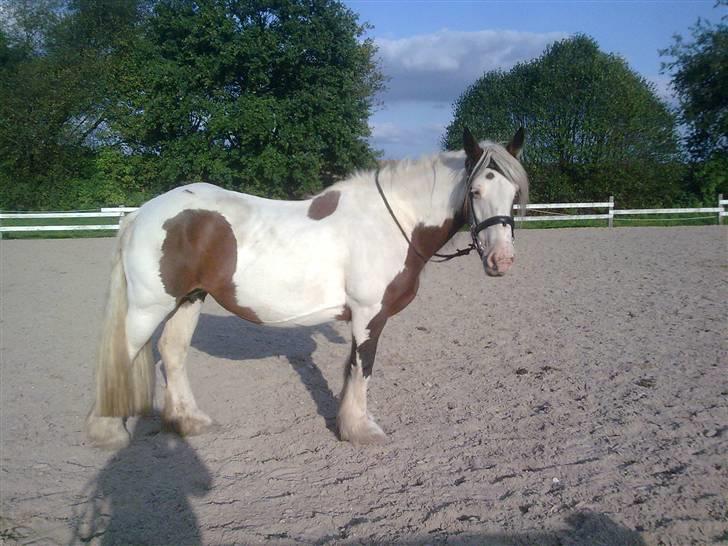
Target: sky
(432, 50)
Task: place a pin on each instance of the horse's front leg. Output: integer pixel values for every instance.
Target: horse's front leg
(355, 423)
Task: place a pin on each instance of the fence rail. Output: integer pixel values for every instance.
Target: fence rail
(666, 211)
(562, 217)
(76, 227)
(530, 206)
(611, 212)
(104, 213)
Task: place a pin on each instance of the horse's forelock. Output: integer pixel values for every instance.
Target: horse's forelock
(512, 169)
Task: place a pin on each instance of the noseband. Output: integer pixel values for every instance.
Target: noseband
(475, 226)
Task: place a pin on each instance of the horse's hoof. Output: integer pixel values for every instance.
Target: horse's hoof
(363, 432)
(187, 425)
(107, 432)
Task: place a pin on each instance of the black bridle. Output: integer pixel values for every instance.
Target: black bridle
(475, 226)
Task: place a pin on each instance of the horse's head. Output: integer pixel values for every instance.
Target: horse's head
(495, 177)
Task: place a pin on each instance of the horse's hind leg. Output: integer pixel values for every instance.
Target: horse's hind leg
(181, 413)
(106, 432)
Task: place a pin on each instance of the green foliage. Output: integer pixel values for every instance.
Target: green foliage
(596, 181)
(706, 179)
(594, 127)
(265, 97)
(699, 71)
(56, 88)
(122, 99)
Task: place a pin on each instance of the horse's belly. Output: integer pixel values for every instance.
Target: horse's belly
(312, 318)
(288, 294)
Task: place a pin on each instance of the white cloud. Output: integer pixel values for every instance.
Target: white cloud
(441, 65)
(399, 141)
(429, 71)
(386, 132)
(409, 128)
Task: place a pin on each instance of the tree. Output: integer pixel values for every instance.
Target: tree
(271, 98)
(56, 93)
(102, 99)
(594, 127)
(699, 71)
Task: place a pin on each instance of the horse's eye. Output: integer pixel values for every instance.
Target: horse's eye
(490, 176)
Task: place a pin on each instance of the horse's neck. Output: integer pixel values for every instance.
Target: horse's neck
(426, 194)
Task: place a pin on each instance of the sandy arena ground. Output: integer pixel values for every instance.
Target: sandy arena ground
(582, 400)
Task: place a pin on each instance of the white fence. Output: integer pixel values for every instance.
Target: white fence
(719, 212)
(558, 216)
(545, 213)
(103, 213)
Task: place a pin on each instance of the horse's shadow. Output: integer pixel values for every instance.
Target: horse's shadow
(231, 338)
(583, 528)
(142, 495)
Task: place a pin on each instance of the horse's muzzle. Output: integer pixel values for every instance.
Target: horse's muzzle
(497, 264)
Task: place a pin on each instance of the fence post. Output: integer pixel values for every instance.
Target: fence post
(611, 211)
(720, 206)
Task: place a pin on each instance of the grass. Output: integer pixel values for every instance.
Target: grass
(666, 220)
(552, 224)
(58, 222)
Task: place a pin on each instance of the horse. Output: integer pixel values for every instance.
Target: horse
(352, 253)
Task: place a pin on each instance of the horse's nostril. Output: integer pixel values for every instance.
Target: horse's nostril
(502, 264)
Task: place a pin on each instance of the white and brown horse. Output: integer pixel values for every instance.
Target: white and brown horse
(353, 253)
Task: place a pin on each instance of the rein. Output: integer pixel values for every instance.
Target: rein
(475, 226)
(443, 257)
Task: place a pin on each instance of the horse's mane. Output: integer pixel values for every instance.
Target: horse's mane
(454, 161)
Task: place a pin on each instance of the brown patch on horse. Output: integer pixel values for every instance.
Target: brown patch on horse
(426, 240)
(324, 205)
(243, 312)
(199, 254)
(345, 314)
(402, 289)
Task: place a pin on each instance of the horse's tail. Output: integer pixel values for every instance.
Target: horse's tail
(124, 384)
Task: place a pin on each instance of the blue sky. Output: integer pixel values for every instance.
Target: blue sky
(432, 50)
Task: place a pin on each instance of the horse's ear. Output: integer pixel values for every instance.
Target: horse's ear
(515, 146)
(472, 149)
